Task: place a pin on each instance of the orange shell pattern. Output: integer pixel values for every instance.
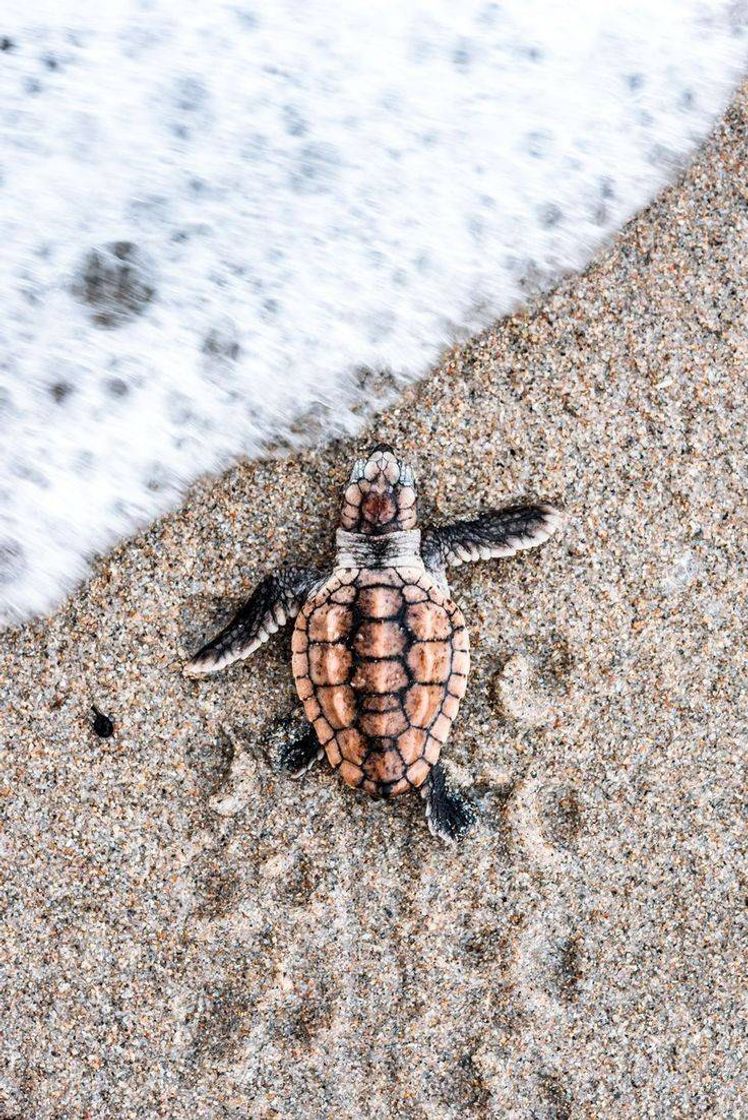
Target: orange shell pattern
(380, 659)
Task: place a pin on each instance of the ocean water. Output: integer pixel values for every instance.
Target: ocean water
(227, 225)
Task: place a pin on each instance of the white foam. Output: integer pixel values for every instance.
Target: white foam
(313, 188)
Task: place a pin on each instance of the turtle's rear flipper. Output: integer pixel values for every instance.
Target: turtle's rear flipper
(448, 811)
(296, 758)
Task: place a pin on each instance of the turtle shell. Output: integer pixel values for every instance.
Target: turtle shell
(380, 659)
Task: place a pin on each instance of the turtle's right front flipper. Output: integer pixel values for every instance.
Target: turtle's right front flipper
(276, 600)
(496, 532)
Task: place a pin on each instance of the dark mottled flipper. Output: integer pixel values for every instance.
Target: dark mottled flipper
(448, 810)
(296, 758)
(276, 599)
(498, 532)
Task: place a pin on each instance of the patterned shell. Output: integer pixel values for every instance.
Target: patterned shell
(380, 659)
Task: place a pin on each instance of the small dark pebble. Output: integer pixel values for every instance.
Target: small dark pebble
(6, 44)
(102, 725)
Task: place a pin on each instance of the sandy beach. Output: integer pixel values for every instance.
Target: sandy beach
(189, 934)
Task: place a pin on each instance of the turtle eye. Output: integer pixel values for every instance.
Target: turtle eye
(406, 475)
(358, 470)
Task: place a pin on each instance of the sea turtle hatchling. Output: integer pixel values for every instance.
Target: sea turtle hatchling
(380, 650)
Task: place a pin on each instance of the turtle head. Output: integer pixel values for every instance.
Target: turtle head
(380, 496)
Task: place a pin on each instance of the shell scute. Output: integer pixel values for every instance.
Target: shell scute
(413, 593)
(300, 665)
(384, 766)
(379, 577)
(330, 622)
(422, 701)
(440, 727)
(343, 595)
(429, 621)
(379, 676)
(323, 730)
(334, 756)
(329, 664)
(418, 772)
(412, 743)
(389, 723)
(380, 639)
(380, 702)
(304, 688)
(338, 705)
(457, 685)
(432, 750)
(380, 602)
(352, 745)
(430, 662)
(460, 640)
(351, 774)
(450, 706)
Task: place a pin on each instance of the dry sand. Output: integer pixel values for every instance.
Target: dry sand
(187, 933)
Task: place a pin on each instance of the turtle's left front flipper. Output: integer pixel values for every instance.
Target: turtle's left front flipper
(498, 532)
(277, 599)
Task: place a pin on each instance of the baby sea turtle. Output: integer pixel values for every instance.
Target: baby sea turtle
(380, 650)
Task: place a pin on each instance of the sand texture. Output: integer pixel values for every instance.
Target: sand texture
(187, 933)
